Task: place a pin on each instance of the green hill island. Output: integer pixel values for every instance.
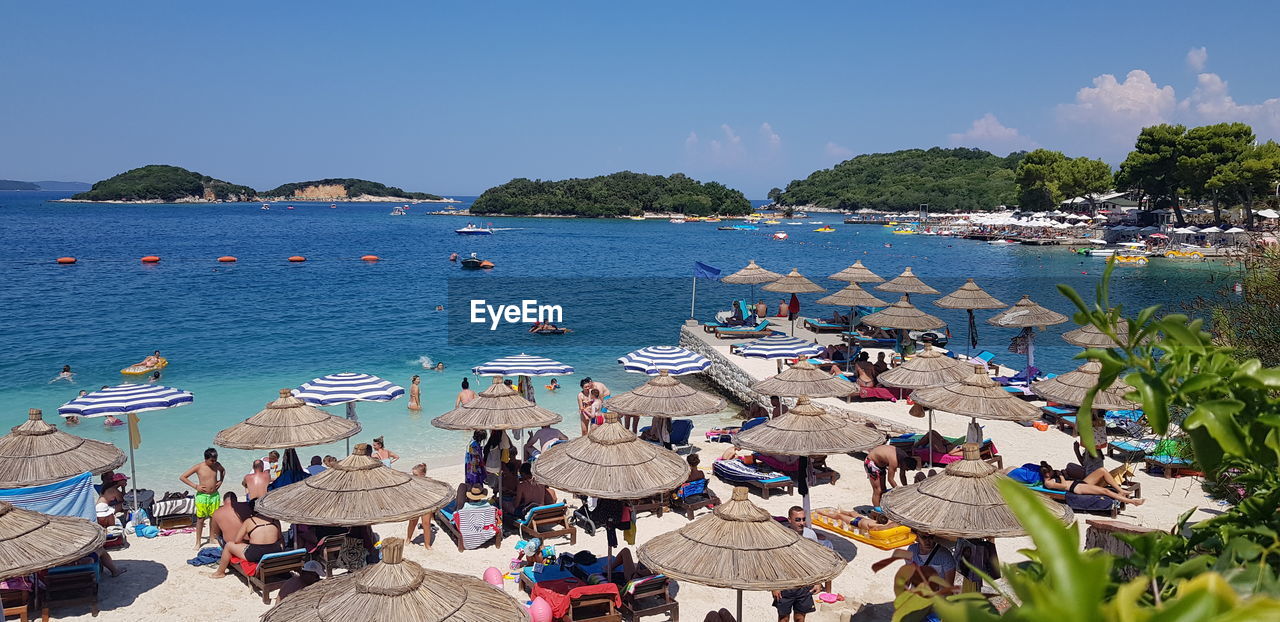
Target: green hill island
(160, 183)
(618, 194)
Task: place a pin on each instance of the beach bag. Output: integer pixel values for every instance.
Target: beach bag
(1090, 503)
(1028, 474)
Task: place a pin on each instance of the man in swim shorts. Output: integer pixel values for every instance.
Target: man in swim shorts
(881, 465)
(209, 475)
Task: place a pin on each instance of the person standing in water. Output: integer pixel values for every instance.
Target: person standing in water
(210, 475)
(465, 395)
(415, 393)
(382, 454)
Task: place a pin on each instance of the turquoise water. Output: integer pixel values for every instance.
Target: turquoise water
(235, 334)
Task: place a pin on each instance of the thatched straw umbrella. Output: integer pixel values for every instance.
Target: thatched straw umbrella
(804, 379)
(928, 368)
(752, 275)
(31, 541)
(970, 297)
(357, 491)
(498, 407)
(807, 430)
(37, 453)
(976, 397)
(1089, 336)
(902, 316)
(852, 296)
(906, 283)
(1069, 388)
(1027, 314)
(287, 422)
(794, 283)
(740, 546)
(398, 589)
(963, 501)
(857, 273)
(664, 396)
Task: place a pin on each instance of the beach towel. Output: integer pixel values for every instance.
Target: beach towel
(207, 556)
(477, 525)
(737, 472)
(73, 496)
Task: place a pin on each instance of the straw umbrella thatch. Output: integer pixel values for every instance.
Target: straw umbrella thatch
(929, 368)
(498, 407)
(857, 273)
(976, 396)
(1027, 314)
(752, 275)
(359, 490)
(398, 589)
(804, 379)
(906, 283)
(1088, 336)
(970, 297)
(794, 283)
(37, 453)
(808, 430)
(611, 462)
(287, 422)
(963, 501)
(1069, 388)
(903, 315)
(664, 396)
(740, 546)
(31, 541)
(852, 296)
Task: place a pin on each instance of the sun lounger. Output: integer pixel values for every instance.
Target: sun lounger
(70, 585)
(862, 341)
(693, 496)
(987, 451)
(548, 521)
(822, 326)
(18, 602)
(471, 527)
(595, 603)
(983, 358)
(1021, 378)
(764, 481)
(649, 596)
(883, 539)
(533, 575)
(745, 332)
(1170, 466)
(1129, 450)
(1053, 413)
(1093, 504)
(270, 572)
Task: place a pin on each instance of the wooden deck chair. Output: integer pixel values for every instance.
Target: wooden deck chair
(473, 527)
(17, 603)
(272, 571)
(328, 550)
(175, 510)
(548, 521)
(693, 496)
(649, 596)
(593, 607)
(70, 585)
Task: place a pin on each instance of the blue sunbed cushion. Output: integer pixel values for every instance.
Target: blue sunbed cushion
(1169, 460)
(1058, 410)
(529, 515)
(553, 572)
(1134, 446)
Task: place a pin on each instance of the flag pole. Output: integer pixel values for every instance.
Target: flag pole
(694, 297)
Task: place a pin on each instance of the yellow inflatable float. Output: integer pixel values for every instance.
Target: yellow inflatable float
(138, 369)
(1131, 260)
(883, 539)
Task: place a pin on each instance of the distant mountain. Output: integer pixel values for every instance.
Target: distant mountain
(161, 183)
(9, 184)
(63, 186)
(342, 189)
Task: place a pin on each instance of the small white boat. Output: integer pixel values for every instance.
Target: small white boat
(1002, 242)
(397, 211)
(265, 206)
(471, 229)
(676, 221)
(1100, 252)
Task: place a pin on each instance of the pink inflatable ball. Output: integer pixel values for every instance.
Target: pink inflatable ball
(540, 610)
(493, 577)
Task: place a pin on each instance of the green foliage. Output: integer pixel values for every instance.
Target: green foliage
(774, 194)
(164, 183)
(948, 180)
(1205, 153)
(355, 188)
(1084, 177)
(618, 194)
(1038, 178)
(1247, 322)
(1152, 166)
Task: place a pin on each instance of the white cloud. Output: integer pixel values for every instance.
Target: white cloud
(988, 133)
(837, 152)
(1196, 58)
(1211, 102)
(728, 150)
(1121, 108)
(691, 141)
(770, 136)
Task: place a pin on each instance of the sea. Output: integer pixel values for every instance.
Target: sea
(234, 334)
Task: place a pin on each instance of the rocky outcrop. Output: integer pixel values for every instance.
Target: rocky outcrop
(328, 192)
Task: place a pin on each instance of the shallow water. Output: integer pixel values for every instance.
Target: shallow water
(235, 334)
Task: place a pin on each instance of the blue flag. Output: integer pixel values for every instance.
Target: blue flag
(703, 271)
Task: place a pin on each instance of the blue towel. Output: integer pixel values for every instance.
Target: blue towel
(207, 556)
(70, 497)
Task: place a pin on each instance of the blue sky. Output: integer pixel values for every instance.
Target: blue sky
(454, 98)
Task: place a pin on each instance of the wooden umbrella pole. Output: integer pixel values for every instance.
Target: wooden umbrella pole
(804, 488)
(740, 605)
(968, 344)
(133, 468)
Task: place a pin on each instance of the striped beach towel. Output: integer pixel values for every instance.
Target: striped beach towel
(477, 525)
(73, 496)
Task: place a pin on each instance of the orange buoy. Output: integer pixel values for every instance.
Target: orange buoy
(486, 264)
(227, 259)
(370, 258)
(297, 258)
(151, 259)
(66, 260)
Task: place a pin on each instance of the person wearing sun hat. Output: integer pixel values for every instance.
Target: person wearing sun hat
(312, 572)
(113, 490)
(477, 496)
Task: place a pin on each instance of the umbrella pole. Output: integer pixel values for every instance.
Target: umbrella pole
(968, 345)
(930, 439)
(804, 487)
(740, 604)
(133, 468)
(351, 414)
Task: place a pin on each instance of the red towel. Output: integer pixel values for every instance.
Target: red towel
(249, 568)
(603, 588)
(558, 601)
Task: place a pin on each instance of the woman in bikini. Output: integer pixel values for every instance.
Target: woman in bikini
(258, 536)
(382, 454)
(1055, 480)
(415, 393)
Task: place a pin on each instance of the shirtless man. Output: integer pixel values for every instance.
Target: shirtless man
(228, 518)
(465, 395)
(255, 483)
(882, 464)
(210, 475)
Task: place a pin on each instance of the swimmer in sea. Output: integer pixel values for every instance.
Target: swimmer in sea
(439, 367)
(553, 385)
(155, 377)
(65, 374)
(111, 420)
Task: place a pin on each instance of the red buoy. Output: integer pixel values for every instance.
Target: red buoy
(297, 258)
(66, 260)
(151, 259)
(370, 258)
(227, 259)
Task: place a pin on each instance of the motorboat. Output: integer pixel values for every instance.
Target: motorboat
(711, 219)
(398, 211)
(475, 263)
(636, 217)
(1100, 252)
(677, 221)
(1002, 242)
(738, 228)
(824, 230)
(772, 222)
(781, 235)
(471, 229)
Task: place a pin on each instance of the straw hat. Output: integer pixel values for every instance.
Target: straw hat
(1069, 388)
(31, 541)
(1089, 336)
(857, 273)
(804, 379)
(969, 296)
(611, 463)
(852, 296)
(904, 315)
(359, 490)
(807, 430)
(398, 589)
(37, 453)
(976, 396)
(1026, 313)
(963, 501)
(477, 493)
(664, 396)
(794, 283)
(751, 275)
(287, 422)
(498, 407)
(740, 546)
(928, 368)
(906, 283)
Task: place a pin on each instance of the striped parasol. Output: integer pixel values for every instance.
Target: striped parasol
(779, 347)
(654, 360)
(522, 365)
(347, 387)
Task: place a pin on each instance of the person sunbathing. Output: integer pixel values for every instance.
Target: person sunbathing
(259, 536)
(1054, 479)
(940, 445)
(852, 520)
(151, 361)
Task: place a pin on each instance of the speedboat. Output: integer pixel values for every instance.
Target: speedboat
(738, 228)
(772, 222)
(397, 211)
(471, 229)
(1100, 252)
(781, 235)
(636, 217)
(1002, 242)
(475, 263)
(711, 219)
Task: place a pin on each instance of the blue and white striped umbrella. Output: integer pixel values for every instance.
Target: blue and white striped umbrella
(125, 398)
(346, 388)
(522, 365)
(654, 360)
(779, 347)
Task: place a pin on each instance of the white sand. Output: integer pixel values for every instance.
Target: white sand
(159, 585)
